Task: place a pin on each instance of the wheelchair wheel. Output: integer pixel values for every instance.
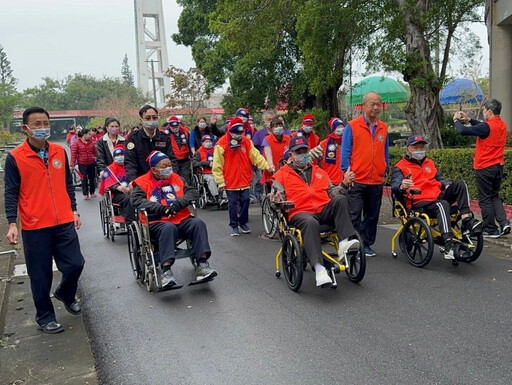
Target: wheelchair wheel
(469, 248)
(134, 252)
(104, 219)
(270, 218)
(417, 242)
(150, 282)
(292, 263)
(356, 262)
(202, 201)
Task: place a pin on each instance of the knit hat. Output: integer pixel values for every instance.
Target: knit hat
(251, 119)
(205, 137)
(155, 157)
(335, 122)
(298, 142)
(242, 113)
(236, 126)
(308, 120)
(173, 121)
(118, 150)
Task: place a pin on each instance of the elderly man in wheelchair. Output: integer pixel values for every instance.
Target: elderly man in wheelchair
(316, 202)
(165, 197)
(417, 181)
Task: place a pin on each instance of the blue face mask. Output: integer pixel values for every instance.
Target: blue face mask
(418, 155)
(151, 124)
(119, 159)
(40, 133)
(301, 160)
(165, 173)
(278, 130)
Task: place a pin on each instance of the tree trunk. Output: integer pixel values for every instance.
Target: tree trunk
(329, 101)
(424, 112)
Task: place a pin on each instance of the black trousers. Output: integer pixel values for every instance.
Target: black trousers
(61, 243)
(183, 170)
(126, 209)
(238, 207)
(488, 184)
(365, 201)
(168, 234)
(457, 192)
(336, 213)
(88, 178)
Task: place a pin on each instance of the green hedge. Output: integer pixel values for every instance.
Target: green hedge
(457, 163)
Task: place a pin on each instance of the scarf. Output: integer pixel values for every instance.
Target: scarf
(331, 151)
(163, 192)
(180, 138)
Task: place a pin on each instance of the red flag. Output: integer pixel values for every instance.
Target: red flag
(108, 179)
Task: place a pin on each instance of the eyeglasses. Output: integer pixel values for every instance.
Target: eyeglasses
(40, 124)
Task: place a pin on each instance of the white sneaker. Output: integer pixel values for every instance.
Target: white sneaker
(346, 246)
(449, 255)
(322, 278)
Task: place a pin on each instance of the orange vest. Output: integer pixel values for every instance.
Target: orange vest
(203, 153)
(147, 183)
(43, 199)
(423, 177)
(182, 151)
(237, 164)
(334, 170)
(278, 148)
(313, 139)
(368, 158)
(306, 198)
(490, 151)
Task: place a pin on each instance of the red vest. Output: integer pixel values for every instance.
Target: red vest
(313, 139)
(423, 177)
(237, 164)
(490, 151)
(182, 151)
(368, 158)
(278, 148)
(203, 153)
(334, 170)
(147, 183)
(43, 199)
(306, 198)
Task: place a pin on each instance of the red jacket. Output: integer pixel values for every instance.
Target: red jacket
(180, 144)
(334, 170)
(205, 156)
(306, 198)
(491, 150)
(43, 197)
(83, 153)
(237, 164)
(368, 157)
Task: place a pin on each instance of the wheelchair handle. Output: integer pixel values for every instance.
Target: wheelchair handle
(414, 191)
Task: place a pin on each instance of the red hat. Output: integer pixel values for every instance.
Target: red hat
(335, 122)
(308, 119)
(236, 126)
(173, 121)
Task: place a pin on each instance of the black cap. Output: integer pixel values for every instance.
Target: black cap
(416, 139)
(298, 142)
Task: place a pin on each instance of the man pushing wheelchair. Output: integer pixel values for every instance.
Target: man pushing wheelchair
(416, 178)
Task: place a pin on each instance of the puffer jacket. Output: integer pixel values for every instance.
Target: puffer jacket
(83, 153)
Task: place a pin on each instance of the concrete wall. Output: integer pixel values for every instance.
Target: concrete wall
(499, 26)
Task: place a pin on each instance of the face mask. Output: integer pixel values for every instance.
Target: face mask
(301, 160)
(151, 125)
(418, 155)
(339, 131)
(165, 172)
(40, 133)
(237, 137)
(114, 130)
(244, 120)
(278, 130)
(202, 125)
(307, 129)
(208, 145)
(119, 159)
(267, 125)
(175, 130)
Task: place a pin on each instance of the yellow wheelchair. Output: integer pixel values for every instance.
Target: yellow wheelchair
(292, 259)
(418, 234)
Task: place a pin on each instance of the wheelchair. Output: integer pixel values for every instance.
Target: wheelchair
(112, 222)
(419, 233)
(292, 260)
(144, 256)
(205, 197)
(270, 217)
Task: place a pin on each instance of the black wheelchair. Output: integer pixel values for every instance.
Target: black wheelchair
(292, 260)
(419, 233)
(112, 222)
(205, 196)
(144, 256)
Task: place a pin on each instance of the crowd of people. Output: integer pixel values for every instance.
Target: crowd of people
(336, 180)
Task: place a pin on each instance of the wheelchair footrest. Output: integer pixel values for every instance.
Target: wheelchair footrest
(198, 282)
(175, 287)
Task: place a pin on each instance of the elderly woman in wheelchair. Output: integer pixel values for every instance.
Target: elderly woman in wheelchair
(316, 205)
(420, 192)
(165, 197)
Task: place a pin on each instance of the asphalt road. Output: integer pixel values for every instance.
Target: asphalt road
(400, 325)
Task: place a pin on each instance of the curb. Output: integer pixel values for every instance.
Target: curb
(6, 269)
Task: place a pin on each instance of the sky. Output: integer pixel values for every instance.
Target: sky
(57, 38)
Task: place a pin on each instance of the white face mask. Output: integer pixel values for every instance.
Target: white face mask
(244, 120)
(418, 155)
(119, 159)
(208, 144)
(307, 129)
(202, 125)
(338, 131)
(40, 133)
(165, 173)
(152, 125)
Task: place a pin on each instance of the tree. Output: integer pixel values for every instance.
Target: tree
(409, 29)
(188, 89)
(126, 72)
(9, 96)
(120, 107)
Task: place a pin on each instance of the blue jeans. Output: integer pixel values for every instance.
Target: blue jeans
(238, 206)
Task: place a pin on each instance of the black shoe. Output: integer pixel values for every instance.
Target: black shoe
(52, 327)
(472, 225)
(73, 308)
